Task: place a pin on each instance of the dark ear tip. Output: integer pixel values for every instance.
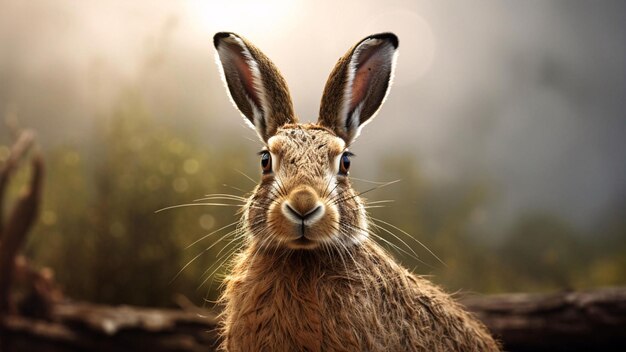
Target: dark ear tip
(219, 36)
(392, 38)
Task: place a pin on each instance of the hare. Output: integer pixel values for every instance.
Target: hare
(310, 278)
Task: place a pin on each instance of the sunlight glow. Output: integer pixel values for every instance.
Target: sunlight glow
(417, 42)
(243, 15)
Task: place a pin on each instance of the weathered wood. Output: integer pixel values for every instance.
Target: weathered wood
(15, 229)
(570, 321)
(89, 327)
(21, 146)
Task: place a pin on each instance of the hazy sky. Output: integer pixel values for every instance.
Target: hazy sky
(528, 94)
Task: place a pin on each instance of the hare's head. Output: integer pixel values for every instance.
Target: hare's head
(305, 199)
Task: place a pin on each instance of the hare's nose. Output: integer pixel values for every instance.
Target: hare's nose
(303, 205)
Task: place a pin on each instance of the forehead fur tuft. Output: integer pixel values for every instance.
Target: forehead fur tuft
(305, 139)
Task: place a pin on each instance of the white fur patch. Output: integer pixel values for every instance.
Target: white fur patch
(347, 93)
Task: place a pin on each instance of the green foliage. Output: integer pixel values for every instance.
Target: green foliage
(99, 229)
(539, 252)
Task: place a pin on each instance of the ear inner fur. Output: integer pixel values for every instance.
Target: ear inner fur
(243, 80)
(255, 85)
(368, 87)
(358, 85)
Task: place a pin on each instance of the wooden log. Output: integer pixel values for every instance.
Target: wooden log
(89, 327)
(569, 321)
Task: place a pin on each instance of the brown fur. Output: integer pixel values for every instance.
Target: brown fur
(240, 82)
(337, 297)
(319, 282)
(359, 300)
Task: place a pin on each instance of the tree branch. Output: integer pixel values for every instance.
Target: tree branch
(16, 229)
(24, 142)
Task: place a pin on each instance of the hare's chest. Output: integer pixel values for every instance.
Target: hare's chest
(312, 314)
(275, 317)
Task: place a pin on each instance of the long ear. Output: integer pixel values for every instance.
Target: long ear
(358, 85)
(255, 84)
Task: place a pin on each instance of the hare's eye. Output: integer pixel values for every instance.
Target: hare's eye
(266, 162)
(344, 164)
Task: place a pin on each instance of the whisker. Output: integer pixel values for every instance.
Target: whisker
(200, 254)
(368, 181)
(380, 201)
(212, 233)
(246, 176)
(241, 202)
(396, 237)
(199, 204)
(372, 233)
(233, 187)
(414, 239)
(399, 249)
(371, 207)
(328, 192)
(225, 195)
(237, 237)
(356, 265)
(364, 192)
(281, 189)
(218, 261)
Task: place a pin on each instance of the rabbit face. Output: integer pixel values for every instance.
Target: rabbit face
(305, 200)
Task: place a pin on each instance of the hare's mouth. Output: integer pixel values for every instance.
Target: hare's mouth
(298, 229)
(302, 219)
(305, 231)
(302, 242)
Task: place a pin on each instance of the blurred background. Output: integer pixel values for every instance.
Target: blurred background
(506, 126)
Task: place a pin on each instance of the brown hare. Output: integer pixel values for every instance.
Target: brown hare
(310, 278)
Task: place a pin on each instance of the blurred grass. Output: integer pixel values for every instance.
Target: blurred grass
(99, 231)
